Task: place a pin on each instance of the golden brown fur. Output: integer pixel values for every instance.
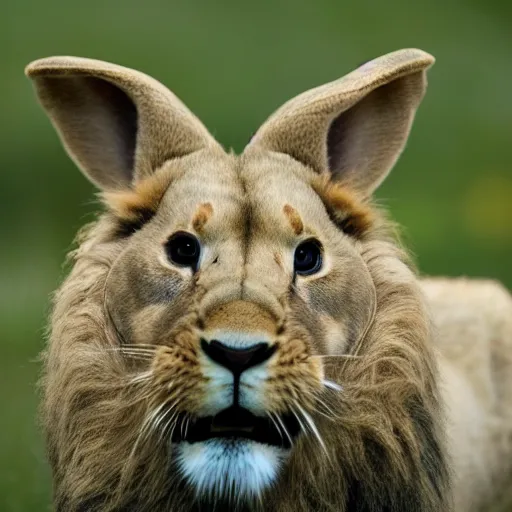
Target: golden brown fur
(352, 215)
(376, 363)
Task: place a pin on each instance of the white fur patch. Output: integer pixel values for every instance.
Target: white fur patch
(220, 383)
(240, 469)
(252, 388)
(219, 387)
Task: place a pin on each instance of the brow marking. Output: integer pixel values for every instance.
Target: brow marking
(294, 219)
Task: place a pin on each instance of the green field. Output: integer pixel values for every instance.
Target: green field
(232, 63)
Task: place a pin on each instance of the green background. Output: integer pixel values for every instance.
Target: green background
(232, 63)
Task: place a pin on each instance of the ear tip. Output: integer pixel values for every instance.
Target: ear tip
(421, 55)
(396, 64)
(414, 56)
(34, 67)
(62, 65)
(51, 65)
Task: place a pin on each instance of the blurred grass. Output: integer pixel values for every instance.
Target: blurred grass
(233, 63)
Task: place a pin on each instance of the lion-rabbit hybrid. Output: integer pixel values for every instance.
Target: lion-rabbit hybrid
(244, 332)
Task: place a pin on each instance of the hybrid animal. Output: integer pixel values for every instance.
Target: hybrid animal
(245, 332)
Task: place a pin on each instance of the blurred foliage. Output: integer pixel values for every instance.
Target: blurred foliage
(232, 63)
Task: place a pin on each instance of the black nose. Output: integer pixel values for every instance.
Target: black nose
(237, 360)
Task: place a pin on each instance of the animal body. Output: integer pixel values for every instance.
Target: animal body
(245, 332)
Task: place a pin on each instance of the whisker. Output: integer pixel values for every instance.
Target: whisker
(283, 426)
(332, 385)
(187, 424)
(160, 420)
(302, 427)
(313, 428)
(138, 399)
(142, 377)
(182, 426)
(136, 355)
(145, 431)
(330, 414)
(171, 421)
(343, 356)
(132, 348)
(324, 414)
(145, 345)
(169, 410)
(269, 414)
(154, 418)
(173, 427)
(125, 351)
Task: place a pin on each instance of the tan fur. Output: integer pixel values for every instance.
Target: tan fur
(145, 196)
(240, 315)
(203, 214)
(294, 218)
(344, 207)
(423, 419)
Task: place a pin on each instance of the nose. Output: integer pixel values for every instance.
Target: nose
(237, 360)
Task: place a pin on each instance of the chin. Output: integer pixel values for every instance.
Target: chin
(233, 456)
(233, 469)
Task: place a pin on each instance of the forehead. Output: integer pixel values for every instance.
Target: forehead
(275, 181)
(259, 185)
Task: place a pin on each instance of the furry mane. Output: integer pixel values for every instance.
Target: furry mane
(388, 421)
(246, 331)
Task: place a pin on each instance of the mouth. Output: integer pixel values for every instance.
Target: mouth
(236, 423)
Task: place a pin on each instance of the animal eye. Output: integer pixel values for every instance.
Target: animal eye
(308, 258)
(183, 249)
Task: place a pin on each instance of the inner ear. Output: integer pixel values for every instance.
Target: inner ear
(124, 116)
(364, 141)
(102, 123)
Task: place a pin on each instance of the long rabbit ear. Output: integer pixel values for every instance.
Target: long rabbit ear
(355, 127)
(117, 124)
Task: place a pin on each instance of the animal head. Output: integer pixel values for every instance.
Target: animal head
(226, 311)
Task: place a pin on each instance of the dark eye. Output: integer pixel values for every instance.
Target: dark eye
(308, 258)
(183, 249)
